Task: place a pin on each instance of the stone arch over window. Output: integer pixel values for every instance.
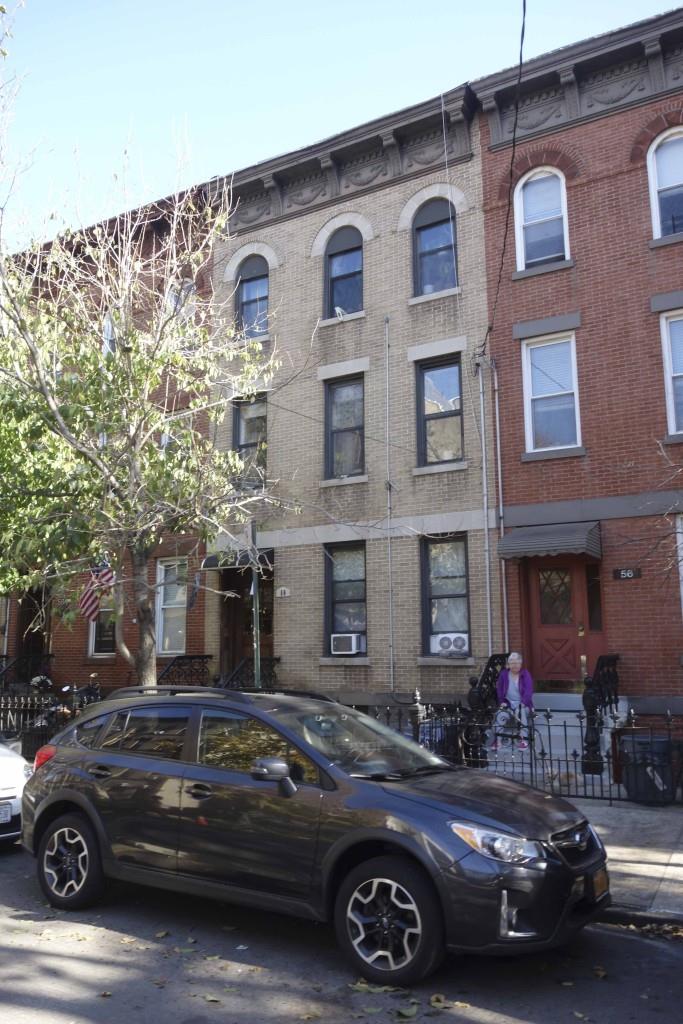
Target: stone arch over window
(665, 177)
(351, 220)
(440, 190)
(541, 228)
(655, 127)
(246, 250)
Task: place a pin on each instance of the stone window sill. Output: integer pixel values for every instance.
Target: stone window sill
(98, 659)
(362, 662)
(343, 480)
(545, 268)
(673, 439)
(418, 299)
(330, 321)
(441, 467)
(657, 243)
(457, 662)
(554, 453)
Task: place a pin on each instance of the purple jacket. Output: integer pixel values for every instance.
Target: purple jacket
(526, 687)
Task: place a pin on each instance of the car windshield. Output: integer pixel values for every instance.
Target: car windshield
(360, 745)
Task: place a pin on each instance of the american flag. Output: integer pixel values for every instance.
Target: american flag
(101, 580)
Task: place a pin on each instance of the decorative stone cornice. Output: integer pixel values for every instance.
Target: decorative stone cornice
(586, 80)
(370, 156)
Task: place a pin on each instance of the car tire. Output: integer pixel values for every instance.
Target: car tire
(388, 921)
(69, 864)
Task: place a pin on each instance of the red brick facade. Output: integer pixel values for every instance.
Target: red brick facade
(613, 276)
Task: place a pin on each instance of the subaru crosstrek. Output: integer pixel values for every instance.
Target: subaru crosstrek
(307, 807)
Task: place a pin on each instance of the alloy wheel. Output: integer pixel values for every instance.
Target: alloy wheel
(65, 862)
(384, 924)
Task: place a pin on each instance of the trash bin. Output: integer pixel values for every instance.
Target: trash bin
(647, 769)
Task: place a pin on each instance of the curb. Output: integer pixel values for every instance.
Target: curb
(639, 918)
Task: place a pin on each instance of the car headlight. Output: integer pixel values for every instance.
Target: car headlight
(498, 845)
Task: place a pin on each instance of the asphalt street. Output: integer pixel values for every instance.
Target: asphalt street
(149, 956)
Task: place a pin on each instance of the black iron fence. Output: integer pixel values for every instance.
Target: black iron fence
(28, 721)
(565, 753)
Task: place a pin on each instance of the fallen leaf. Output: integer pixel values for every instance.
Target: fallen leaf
(439, 1001)
(371, 1009)
(161, 935)
(599, 972)
(364, 986)
(581, 1016)
(127, 940)
(160, 982)
(212, 999)
(567, 984)
(105, 995)
(310, 1016)
(193, 941)
(183, 949)
(241, 947)
(462, 1006)
(407, 1012)
(214, 956)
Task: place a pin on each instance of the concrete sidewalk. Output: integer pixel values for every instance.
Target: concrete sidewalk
(645, 851)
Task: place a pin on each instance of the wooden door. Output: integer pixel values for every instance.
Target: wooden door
(237, 627)
(565, 620)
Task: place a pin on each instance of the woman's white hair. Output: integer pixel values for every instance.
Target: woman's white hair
(514, 656)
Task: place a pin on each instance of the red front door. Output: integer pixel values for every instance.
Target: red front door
(565, 620)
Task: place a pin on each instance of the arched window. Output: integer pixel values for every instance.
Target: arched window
(344, 272)
(252, 297)
(434, 247)
(665, 171)
(541, 218)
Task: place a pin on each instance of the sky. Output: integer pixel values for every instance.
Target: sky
(122, 101)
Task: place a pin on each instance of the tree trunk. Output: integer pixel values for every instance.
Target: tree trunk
(146, 654)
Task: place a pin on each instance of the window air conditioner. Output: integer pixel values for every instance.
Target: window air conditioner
(449, 643)
(345, 643)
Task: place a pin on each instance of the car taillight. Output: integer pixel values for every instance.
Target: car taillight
(44, 755)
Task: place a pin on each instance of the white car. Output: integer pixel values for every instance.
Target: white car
(14, 771)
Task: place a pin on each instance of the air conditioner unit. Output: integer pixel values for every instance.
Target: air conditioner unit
(346, 643)
(449, 643)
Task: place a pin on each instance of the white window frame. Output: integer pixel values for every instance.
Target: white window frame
(527, 346)
(664, 323)
(537, 172)
(92, 653)
(652, 177)
(161, 572)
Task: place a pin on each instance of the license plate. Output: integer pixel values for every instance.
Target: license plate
(5, 813)
(600, 883)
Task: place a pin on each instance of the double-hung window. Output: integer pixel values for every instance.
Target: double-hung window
(252, 297)
(541, 219)
(672, 345)
(344, 414)
(665, 171)
(439, 412)
(434, 267)
(346, 610)
(445, 602)
(344, 272)
(171, 605)
(551, 405)
(102, 632)
(250, 435)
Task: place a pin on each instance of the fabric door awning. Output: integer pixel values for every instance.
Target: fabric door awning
(554, 539)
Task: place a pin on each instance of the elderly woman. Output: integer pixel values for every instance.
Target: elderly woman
(515, 691)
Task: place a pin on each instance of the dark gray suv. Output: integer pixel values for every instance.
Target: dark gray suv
(306, 807)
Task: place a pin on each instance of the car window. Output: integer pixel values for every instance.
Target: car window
(85, 734)
(155, 731)
(235, 741)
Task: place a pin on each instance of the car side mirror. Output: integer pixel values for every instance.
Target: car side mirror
(273, 769)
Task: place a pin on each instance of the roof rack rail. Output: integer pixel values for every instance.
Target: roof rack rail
(172, 691)
(286, 692)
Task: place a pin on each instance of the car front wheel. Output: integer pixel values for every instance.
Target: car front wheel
(69, 867)
(388, 921)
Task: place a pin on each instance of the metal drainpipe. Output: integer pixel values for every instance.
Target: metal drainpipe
(255, 610)
(501, 513)
(389, 508)
(485, 500)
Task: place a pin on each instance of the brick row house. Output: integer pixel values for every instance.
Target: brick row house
(448, 491)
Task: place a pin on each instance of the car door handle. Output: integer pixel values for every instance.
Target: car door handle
(199, 791)
(100, 771)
